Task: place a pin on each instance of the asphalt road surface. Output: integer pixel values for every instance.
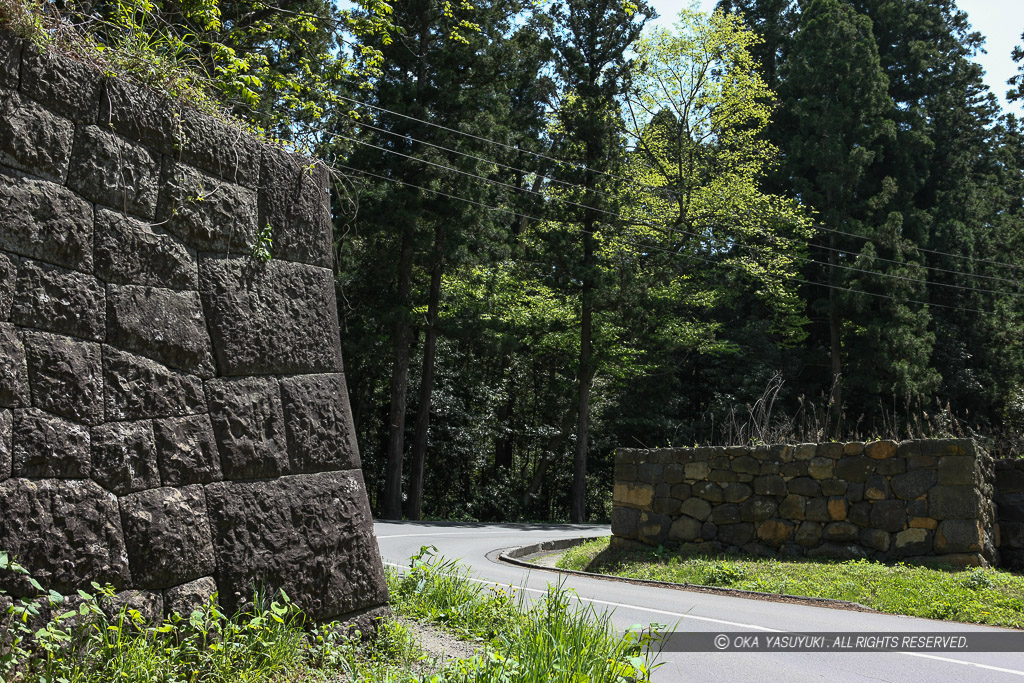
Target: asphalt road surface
(476, 545)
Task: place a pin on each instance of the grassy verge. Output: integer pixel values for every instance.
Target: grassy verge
(53, 640)
(984, 596)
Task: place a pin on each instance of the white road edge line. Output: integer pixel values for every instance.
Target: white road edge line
(728, 623)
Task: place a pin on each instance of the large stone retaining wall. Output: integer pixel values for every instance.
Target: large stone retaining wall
(1010, 509)
(174, 418)
(914, 501)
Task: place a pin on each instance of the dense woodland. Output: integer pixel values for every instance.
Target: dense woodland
(560, 231)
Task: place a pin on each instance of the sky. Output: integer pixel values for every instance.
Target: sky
(1000, 21)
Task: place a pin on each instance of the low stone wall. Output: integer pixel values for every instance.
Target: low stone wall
(173, 412)
(914, 501)
(1010, 509)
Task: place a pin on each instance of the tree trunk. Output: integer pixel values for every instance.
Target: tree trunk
(553, 446)
(419, 444)
(578, 510)
(391, 506)
(835, 347)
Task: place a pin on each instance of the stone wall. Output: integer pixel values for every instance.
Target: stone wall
(914, 501)
(174, 418)
(1010, 511)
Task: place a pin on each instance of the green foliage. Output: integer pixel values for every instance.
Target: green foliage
(555, 638)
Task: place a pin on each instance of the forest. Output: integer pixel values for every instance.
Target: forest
(560, 230)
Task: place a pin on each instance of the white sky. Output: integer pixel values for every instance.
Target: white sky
(1000, 21)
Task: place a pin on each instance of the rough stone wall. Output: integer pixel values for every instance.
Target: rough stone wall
(1010, 509)
(914, 501)
(174, 418)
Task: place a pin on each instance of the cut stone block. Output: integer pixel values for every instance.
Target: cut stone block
(109, 170)
(33, 139)
(66, 376)
(187, 450)
(248, 422)
(44, 221)
(124, 457)
(318, 423)
(136, 387)
(49, 446)
(131, 252)
(58, 300)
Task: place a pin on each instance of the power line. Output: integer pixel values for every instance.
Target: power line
(671, 252)
(685, 232)
(660, 189)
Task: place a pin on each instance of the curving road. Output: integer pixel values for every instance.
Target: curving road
(476, 545)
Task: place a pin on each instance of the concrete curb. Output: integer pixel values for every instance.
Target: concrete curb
(513, 556)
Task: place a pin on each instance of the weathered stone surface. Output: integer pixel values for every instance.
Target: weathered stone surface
(876, 487)
(8, 277)
(66, 376)
(953, 502)
(161, 324)
(792, 507)
(775, 532)
(135, 387)
(124, 457)
(685, 529)
(736, 492)
(58, 300)
(696, 508)
(876, 539)
(891, 467)
(821, 467)
(880, 450)
(837, 509)
(727, 476)
(795, 468)
(769, 486)
(736, 534)
(625, 521)
(167, 534)
(912, 542)
(957, 470)
(150, 604)
(318, 424)
(666, 506)
(186, 450)
(697, 470)
(245, 304)
(840, 531)
(67, 533)
(67, 86)
(139, 114)
(14, 391)
(44, 221)
(109, 170)
(816, 510)
(45, 445)
(940, 447)
(6, 427)
(808, 534)
(10, 60)
(959, 536)
(638, 495)
(681, 491)
(758, 509)
(854, 468)
(222, 149)
(805, 451)
(674, 473)
(889, 515)
(804, 486)
(922, 523)
(650, 473)
(746, 465)
(248, 422)
(860, 513)
(188, 597)
(709, 491)
(207, 213)
(33, 139)
(725, 514)
(654, 527)
(913, 484)
(833, 487)
(311, 535)
(295, 206)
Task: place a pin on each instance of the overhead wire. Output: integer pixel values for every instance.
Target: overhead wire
(583, 167)
(619, 216)
(653, 247)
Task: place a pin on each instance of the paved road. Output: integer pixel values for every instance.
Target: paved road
(475, 544)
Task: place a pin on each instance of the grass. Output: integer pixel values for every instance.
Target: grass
(983, 596)
(52, 639)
